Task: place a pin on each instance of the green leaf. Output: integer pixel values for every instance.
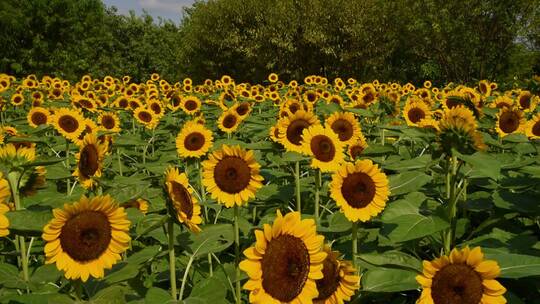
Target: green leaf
(212, 238)
(37, 299)
(209, 290)
(483, 164)
(407, 182)
(292, 157)
(388, 280)
(158, 295)
(409, 164)
(337, 222)
(127, 270)
(110, 295)
(514, 266)
(392, 258)
(9, 276)
(522, 202)
(28, 222)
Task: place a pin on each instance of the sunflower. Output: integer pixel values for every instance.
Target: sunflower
(157, 107)
(146, 117)
(323, 145)
(86, 237)
(291, 128)
(532, 129)
(464, 276)
(38, 116)
(273, 77)
(414, 111)
(356, 149)
(229, 121)
(17, 99)
(484, 87)
(140, 204)
(457, 130)
(231, 175)
(4, 194)
(194, 140)
(509, 120)
(242, 109)
(109, 122)
(32, 180)
(340, 280)
(273, 133)
(190, 104)
(12, 157)
(90, 161)
(526, 101)
(360, 189)
(70, 123)
(502, 102)
(344, 124)
(285, 261)
(182, 203)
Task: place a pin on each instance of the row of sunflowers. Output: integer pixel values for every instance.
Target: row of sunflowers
(302, 192)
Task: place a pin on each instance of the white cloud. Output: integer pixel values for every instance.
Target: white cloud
(165, 5)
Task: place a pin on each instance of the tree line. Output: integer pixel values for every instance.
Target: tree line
(401, 40)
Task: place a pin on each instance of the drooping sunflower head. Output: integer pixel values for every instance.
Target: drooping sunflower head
(194, 140)
(38, 116)
(463, 277)
(292, 127)
(12, 157)
(345, 125)
(68, 122)
(532, 129)
(229, 121)
(457, 130)
(86, 237)
(182, 204)
(32, 180)
(285, 261)
(356, 149)
(415, 110)
(231, 175)
(90, 160)
(509, 120)
(340, 279)
(360, 189)
(324, 147)
(109, 121)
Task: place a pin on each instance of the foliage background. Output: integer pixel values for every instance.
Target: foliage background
(403, 40)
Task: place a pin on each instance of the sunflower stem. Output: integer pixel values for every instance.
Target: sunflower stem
(67, 165)
(13, 180)
(297, 186)
(77, 286)
(354, 239)
(119, 162)
(318, 179)
(237, 253)
(203, 202)
(452, 202)
(172, 258)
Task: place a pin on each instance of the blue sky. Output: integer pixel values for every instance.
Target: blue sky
(167, 9)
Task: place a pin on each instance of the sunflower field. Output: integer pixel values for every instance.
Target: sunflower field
(312, 191)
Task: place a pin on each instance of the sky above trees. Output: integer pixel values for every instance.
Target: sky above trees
(167, 9)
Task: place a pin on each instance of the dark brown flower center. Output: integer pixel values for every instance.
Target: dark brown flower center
(39, 118)
(68, 123)
(343, 129)
(194, 141)
(85, 236)
(330, 281)
(176, 100)
(294, 107)
(242, 109)
(536, 128)
(415, 115)
(456, 284)
(232, 174)
(525, 101)
(295, 129)
(323, 148)
(17, 99)
(156, 108)
(123, 103)
(285, 267)
(85, 103)
(89, 161)
(356, 151)
(190, 105)
(145, 116)
(134, 105)
(229, 121)
(509, 122)
(358, 189)
(108, 122)
(181, 199)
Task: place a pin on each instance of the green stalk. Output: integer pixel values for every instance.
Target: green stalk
(237, 253)
(13, 179)
(297, 187)
(77, 286)
(203, 201)
(172, 258)
(67, 165)
(318, 179)
(452, 203)
(119, 162)
(354, 239)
